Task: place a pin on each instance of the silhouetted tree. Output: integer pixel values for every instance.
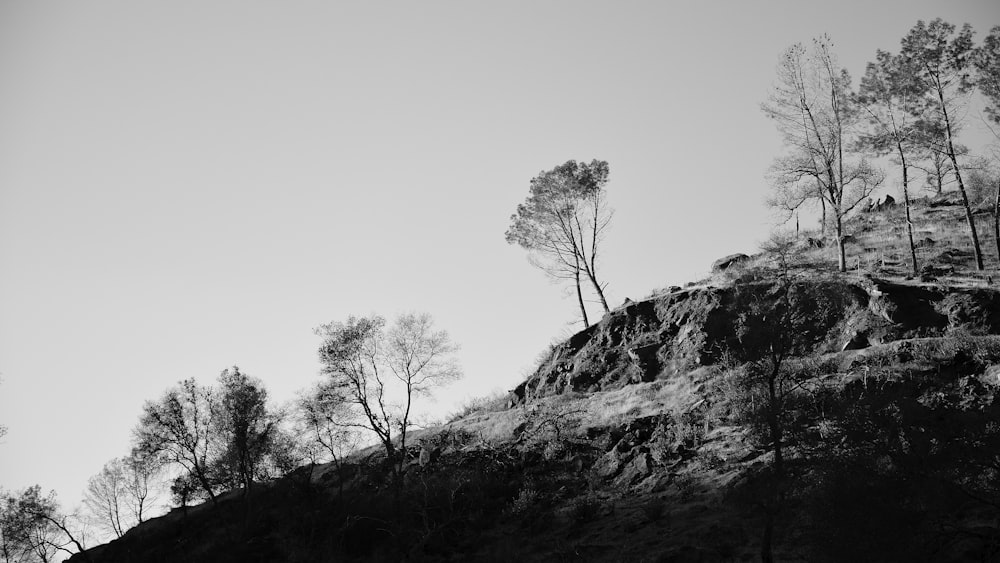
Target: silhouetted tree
(325, 423)
(939, 63)
(382, 371)
(33, 529)
(561, 224)
(180, 428)
(244, 426)
(119, 496)
(812, 106)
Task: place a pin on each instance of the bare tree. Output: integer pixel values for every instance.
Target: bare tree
(939, 66)
(812, 106)
(118, 497)
(326, 425)
(937, 168)
(180, 428)
(561, 224)
(105, 499)
(382, 371)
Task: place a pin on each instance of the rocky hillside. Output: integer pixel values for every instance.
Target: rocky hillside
(835, 417)
(683, 329)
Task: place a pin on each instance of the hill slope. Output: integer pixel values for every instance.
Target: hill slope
(649, 437)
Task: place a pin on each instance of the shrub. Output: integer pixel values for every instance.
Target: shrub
(527, 500)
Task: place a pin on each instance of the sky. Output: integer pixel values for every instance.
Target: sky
(191, 185)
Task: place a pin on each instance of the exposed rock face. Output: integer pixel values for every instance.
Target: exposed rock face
(726, 262)
(672, 333)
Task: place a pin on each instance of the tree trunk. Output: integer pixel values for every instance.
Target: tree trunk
(203, 480)
(822, 221)
(996, 222)
(906, 204)
(961, 185)
(579, 296)
(841, 253)
(597, 288)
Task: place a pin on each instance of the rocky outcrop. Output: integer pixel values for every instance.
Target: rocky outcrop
(726, 262)
(673, 333)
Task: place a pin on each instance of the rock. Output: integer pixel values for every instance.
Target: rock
(726, 262)
(636, 470)
(690, 328)
(608, 465)
(857, 342)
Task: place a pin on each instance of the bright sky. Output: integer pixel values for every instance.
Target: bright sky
(189, 185)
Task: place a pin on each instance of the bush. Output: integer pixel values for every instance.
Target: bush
(494, 402)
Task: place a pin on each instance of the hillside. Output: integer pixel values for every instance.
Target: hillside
(647, 437)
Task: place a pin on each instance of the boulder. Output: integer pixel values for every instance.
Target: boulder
(726, 262)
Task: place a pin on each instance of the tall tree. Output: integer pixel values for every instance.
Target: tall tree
(105, 499)
(180, 428)
(987, 63)
(381, 371)
(244, 426)
(888, 96)
(812, 106)
(562, 222)
(939, 63)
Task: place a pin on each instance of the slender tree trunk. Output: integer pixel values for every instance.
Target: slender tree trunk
(579, 295)
(906, 204)
(822, 221)
(597, 288)
(961, 185)
(996, 222)
(199, 472)
(841, 253)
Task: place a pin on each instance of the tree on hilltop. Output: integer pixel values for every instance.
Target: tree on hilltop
(986, 61)
(382, 370)
(244, 426)
(119, 497)
(939, 64)
(179, 426)
(890, 100)
(987, 64)
(561, 224)
(812, 106)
